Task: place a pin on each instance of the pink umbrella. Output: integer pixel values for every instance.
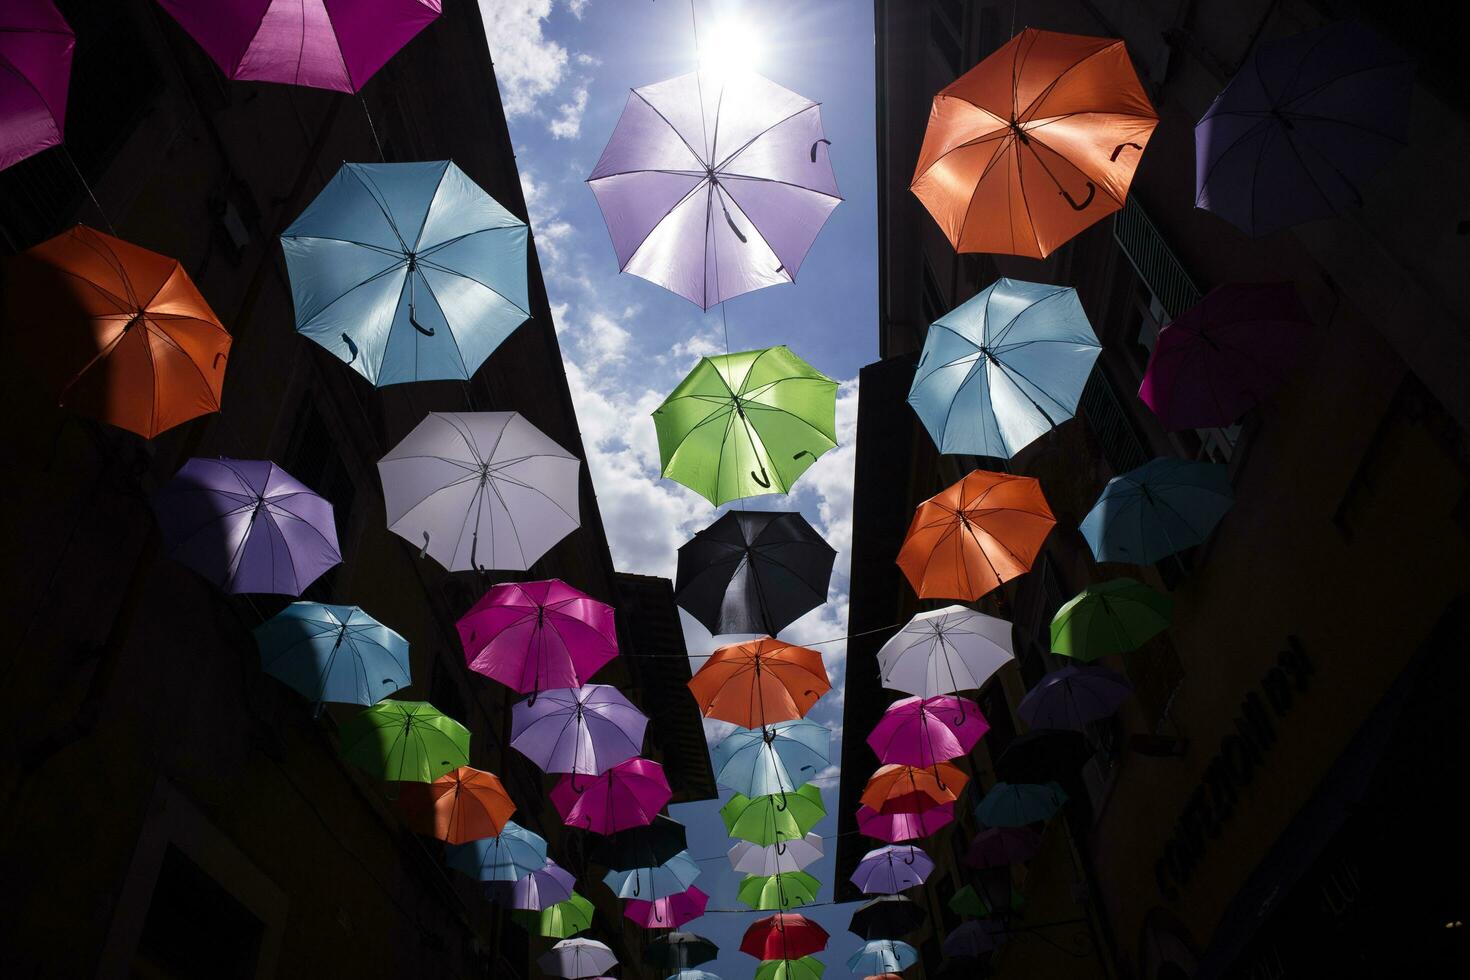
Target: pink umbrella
(532, 636)
(630, 794)
(895, 827)
(331, 44)
(35, 69)
(669, 912)
(927, 731)
(1000, 846)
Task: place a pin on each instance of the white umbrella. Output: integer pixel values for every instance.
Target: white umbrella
(944, 651)
(481, 490)
(781, 858)
(575, 958)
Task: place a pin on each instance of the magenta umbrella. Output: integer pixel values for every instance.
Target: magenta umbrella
(530, 636)
(895, 827)
(585, 730)
(331, 44)
(927, 731)
(1000, 846)
(1225, 354)
(630, 794)
(35, 71)
(669, 912)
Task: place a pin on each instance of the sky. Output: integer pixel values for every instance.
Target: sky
(564, 68)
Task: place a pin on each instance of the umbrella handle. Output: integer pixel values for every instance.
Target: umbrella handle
(781, 807)
(221, 354)
(764, 479)
(1091, 190)
(579, 790)
(731, 222)
(780, 846)
(351, 347)
(424, 551)
(911, 858)
(413, 322)
(637, 883)
(814, 147)
(1119, 149)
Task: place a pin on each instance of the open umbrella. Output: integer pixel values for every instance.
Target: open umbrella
(692, 975)
(753, 571)
(509, 856)
(577, 958)
(560, 920)
(1042, 755)
(119, 333)
(786, 890)
(944, 651)
(802, 968)
(770, 859)
(969, 901)
(533, 635)
(1116, 616)
(1001, 846)
(891, 869)
(460, 806)
(927, 731)
(36, 47)
(886, 917)
(642, 847)
(480, 490)
(759, 682)
(1074, 697)
(541, 889)
(975, 938)
(1303, 124)
(585, 730)
(669, 912)
(405, 741)
(671, 877)
(630, 794)
(715, 184)
(333, 653)
(913, 789)
(783, 936)
(1004, 368)
(896, 826)
(776, 818)
(1019, 804)
(976, 534)
(1034, 144)
(883, 956)
(678, 951)
(1159, 509)
(775, 759)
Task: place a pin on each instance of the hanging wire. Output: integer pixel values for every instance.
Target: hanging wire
(371, 128)
(88, 188)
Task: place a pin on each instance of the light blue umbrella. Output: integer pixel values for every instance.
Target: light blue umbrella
(692, 975)
(511, 856)
(1019, 804)
(882, 956)
(333, 653)
(1003, 368)
(1159, 509)
(650, 884)
(407, 271)
(775, 759)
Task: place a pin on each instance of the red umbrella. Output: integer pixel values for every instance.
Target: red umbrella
(783, 936)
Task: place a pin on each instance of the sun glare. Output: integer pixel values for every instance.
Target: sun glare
(729, 47)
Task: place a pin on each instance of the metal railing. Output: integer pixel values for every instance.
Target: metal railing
(1153, 259)
(1109, 421)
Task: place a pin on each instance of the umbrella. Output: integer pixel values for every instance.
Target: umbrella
(330, 44)
(1000, 846)
(896, 827)
(746, 424)
(1042, 755)
(774, 759)
(457, 476)
(1303, 124)
(783, 936)
(1074, 697)
(891, 869)
(886, 917)
(669, 912)
(120, 333)
(1004, 368)
(944, 651)
(36, 47)
(1019, 804)
(913, 789)
(585, 730)
(975, 938)
(968, 539)
(539, 890)
(630, 794)
(1159, 509)
(576, 958)
(405, 741)
(533, 635)
(642, 847)
(333, 653)
(926, 731)
(714, 186)
(753, 571)
(1034, 144)
(672, 876)
(968, 901)
(786, 890)
(407, 271)
(770, 859)
(1223, 356)
(1116, 616)
(883, 956)
(803, 968)
(692, 975)
(460, 806)
(509, 856)
(776, 818)
(677, 951)
(759, 682)
(560, 920)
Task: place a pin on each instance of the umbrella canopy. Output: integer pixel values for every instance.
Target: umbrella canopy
(896, 827)
(630, 794)
(969, 901)
(119, 333)
(1074, 697)
(713, 185)
(642, 847)
(677, 951)
(533, 635)
(804, 968)
(560, 920)
(509, 856)
(913, 789)
(1001, 846)
(1303, 124)
(36, 47)
(753, 571)
(975, 938)
(406, 741)
(1042, 755)
(541, 889)
(786, 890)
(783, 936)
(1112, 617)
(693, 975)
(971, 537)
(1019, 804)
(576, 958)
(669, 912)
(926, 731)
(585, 730)
(1034, 144)
(774, 759)
(460, 806)
(759, 682)
(944, 651)
(1223, 356)
(330, 44)
(1159, 509)
(892, 869)
(883, 956)
(767, 820)
(1004, 368)
(886, 917)
(770, 859)
(333, 653)
(407, 271)
(671, 877)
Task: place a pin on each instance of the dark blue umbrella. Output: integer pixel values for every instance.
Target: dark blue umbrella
(1159, 509)
(1074, 697)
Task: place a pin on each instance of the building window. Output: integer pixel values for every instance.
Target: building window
(195, 927)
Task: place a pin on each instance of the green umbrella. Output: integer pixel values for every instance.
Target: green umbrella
(785, 890)
(967, 901)
(1110, 617)
(767, 820)
(558, 921)
(746, 424)
(407, 741)
(806, 968)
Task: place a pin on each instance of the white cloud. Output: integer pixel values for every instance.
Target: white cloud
(568, 122)
(528, 64)
(576, 7)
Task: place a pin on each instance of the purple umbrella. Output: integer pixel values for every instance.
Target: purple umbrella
(889, 870)
(585, 730)
(1000, 846)
(331, 44)
(532, 635)
(714, 186)
(975, 938)
(247, 525)
(1074, 697)
(35, 70)
(536, 891)
(1225, 354)
(926, 731)
(895, 827)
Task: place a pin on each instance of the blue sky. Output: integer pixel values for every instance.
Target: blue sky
(564, 68)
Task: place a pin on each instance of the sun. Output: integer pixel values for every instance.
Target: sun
(729, 47)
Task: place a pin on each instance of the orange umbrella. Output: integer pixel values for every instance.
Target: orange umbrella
(759, 682)
(911, 789)
(122, 332)
(460, 806)
(968, 539)
(1034, 144)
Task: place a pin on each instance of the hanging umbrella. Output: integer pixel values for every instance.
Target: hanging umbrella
(1004, 368)
(457, 476)
(669, 912)
(776, 818)
(672, 876)
(36, 47)
(405, 741)
(883, 956)
(120, 333)
(968, 901)
(770, 859)
(715, 185)
(541, 889)
(1034, 144)
(333, 653)
(460, 806)
(926, 731)
(913, 789)
(509, 856)
(1019, 804)
(968, 539)
(774, 759)
(641, 847)
(891, 869)
(693, 975)
(783, 936)
(1042, 755)
(678, 951)
(1001, 846)
(577, 958)
(759, 682)
(944, 651)
(1112, 617)
(896, 827)
(1074, 697)
(1303, 124)
(975, 938)
(630, 794)
(330, 44)
(1159, 509)
(753, 571)
(533, 635)
(886, 917)
(786, 890)
(804, 968)
(745, 424)
(560, 920)
(585, 730)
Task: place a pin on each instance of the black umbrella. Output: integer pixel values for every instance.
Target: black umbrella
(1043, 755)
(886, 917)
(753, 571)
(641, 847)
(677, 951)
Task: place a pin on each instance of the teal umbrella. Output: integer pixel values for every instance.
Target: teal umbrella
(333, 653)
(1159, 509)
(1115, 616)
(1019, 804)
(775, 759)
(510, 856)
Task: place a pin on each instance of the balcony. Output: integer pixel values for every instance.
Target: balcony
(1153, 260)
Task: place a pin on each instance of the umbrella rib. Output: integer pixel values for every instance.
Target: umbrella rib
(453, 336)
(697, 158)
(382, 250)
(401, 264)
(786, 183)
(438, 186)
(1045, 93)
(167, 338)
(462, 275)
(501, 478)
(724, 164)
(373, 193)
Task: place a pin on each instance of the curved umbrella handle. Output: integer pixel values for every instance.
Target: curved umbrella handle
(911, 858)
(805, 452)
(1119, 149)
(424, 551)
(764, 479)
(637, 881)
(413, 321)
(781, 807)
(222, 354)
(351, 347)
(579, 790)
(657, 912)
(814, 147)
(731, 222)
(1091, 190)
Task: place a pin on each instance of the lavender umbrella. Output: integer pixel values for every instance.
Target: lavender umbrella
(889, 870)
(712, 186)
(975, 938)
(1074, 697)
(35, 71)
(247, 525)
(1001, 846)
(585, 730)
(536, 891)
